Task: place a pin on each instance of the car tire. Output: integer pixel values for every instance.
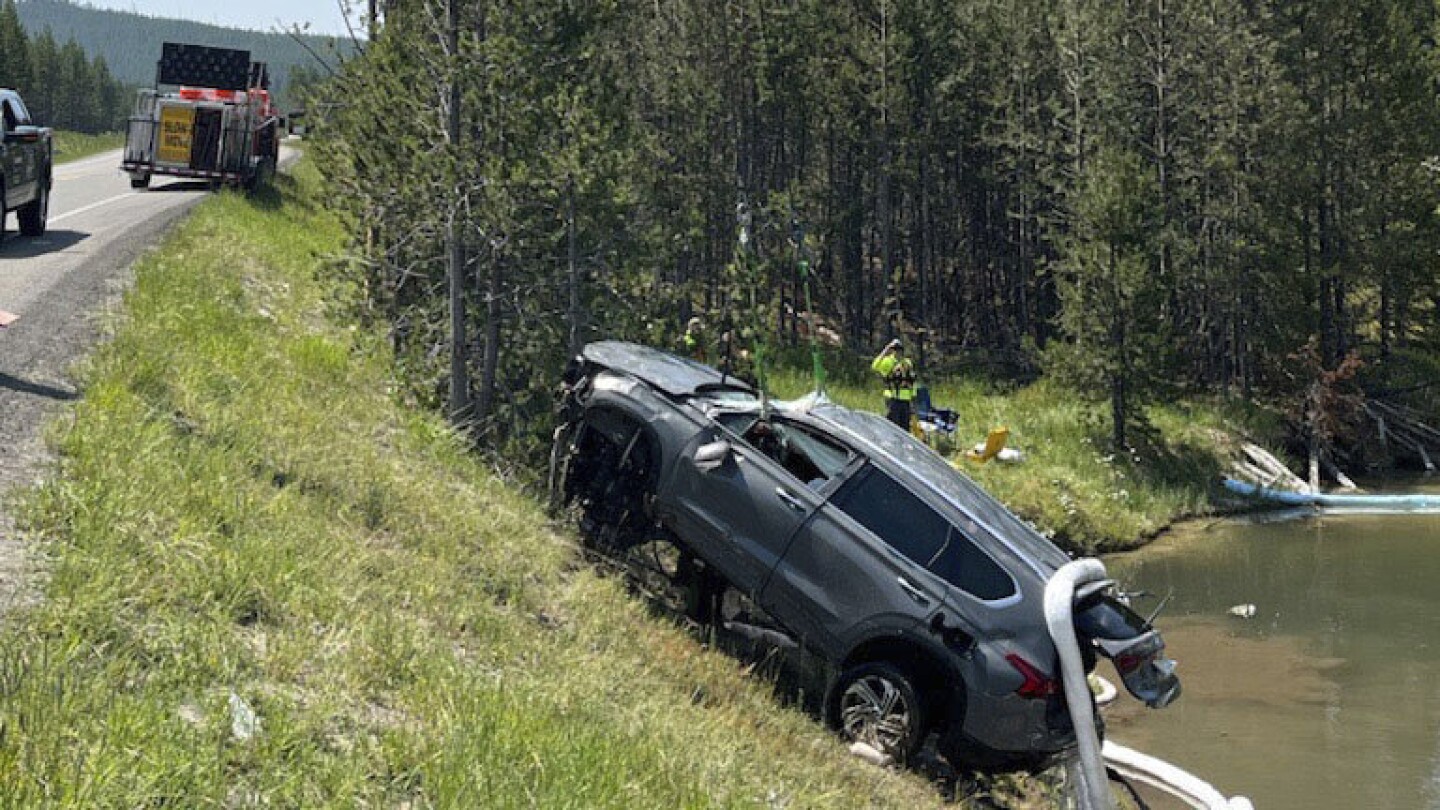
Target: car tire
(33, 214)
(877, 704)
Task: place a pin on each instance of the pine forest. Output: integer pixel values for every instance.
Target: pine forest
(1144, 200)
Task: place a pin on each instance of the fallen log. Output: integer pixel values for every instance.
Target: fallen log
(1279, 472)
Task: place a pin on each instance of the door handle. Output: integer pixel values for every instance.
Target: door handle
(789, 499)
(913, 592)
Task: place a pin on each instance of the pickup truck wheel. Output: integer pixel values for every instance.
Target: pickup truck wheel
(33, 214)
(877, 704)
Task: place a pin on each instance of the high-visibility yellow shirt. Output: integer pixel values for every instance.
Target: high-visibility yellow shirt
(899, 376)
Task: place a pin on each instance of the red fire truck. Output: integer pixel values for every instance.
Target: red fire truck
(208, 117)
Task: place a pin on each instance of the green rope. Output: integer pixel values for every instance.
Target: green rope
(802, 260)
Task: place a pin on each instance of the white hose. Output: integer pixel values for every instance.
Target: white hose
(1059, 601)
(1159, 774)
(1094, 792)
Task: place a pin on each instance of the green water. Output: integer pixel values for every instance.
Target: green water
(1329, 697)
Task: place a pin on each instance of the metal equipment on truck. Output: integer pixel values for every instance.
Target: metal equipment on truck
(217, 124)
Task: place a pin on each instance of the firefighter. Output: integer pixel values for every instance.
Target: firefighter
(898, 372)
(694, 341)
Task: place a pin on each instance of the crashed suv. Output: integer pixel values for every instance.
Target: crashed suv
(922, 595)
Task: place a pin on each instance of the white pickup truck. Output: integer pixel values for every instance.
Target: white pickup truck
(26, 155)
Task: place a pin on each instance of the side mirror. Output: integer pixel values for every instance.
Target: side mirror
(25, 134)
(709, 457)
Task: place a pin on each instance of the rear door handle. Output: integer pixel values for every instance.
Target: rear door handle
(789, 499)
(913, 592)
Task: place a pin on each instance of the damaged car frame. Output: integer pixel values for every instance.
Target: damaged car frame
(921, 594)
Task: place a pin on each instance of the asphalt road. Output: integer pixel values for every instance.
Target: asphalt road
(58, 287)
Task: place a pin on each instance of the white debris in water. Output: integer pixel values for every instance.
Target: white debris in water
(1245, 611)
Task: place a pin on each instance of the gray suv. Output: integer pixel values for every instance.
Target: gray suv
(921, 593)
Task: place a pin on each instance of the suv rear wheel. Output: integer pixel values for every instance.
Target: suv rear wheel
(877, 704)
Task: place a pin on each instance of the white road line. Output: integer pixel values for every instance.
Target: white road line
(92, 206)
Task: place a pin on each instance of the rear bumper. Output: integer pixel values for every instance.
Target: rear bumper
(174, 171)
(1011, 731)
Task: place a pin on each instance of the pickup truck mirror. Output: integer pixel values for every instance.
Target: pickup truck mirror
(709, 457)
(25, 134)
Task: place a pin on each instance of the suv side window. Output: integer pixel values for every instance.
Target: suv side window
(910, 526)
(962, 564)
(808, 456)
(895, 515)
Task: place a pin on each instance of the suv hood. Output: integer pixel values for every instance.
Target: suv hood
(676, 376)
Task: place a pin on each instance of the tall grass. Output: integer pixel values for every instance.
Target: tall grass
(75, 145)
(243, 517)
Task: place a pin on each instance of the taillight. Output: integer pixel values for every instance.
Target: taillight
(1037, 685)
(1127, 663)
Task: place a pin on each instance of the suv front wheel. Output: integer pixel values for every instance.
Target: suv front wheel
(877, 704)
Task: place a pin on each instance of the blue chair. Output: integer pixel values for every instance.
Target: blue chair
(941, 419)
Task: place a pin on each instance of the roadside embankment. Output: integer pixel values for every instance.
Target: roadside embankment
(273, 585)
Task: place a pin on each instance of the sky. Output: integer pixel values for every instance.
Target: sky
(325, 16)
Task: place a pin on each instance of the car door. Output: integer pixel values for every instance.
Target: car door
(857, 568)
(12, 169)
(739, 508)
(20, 169)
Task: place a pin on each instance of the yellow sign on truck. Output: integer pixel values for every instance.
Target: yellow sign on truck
(177, 124)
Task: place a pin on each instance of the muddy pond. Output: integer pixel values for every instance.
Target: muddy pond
(1329, 695)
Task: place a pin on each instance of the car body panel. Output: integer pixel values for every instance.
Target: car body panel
(831, 574)
(742, 512)
(674, 375)
(26, 154)
(780, 498)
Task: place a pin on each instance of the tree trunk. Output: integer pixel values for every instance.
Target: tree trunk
(1120, 370)
(577, 314)
(454, 251)
(490, 364)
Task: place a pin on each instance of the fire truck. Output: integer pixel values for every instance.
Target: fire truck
(209, 117)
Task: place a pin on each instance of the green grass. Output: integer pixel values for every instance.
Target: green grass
(1069, 484)
(74, 145)
(241, 508)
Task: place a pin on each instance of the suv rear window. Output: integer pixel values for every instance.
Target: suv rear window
(910, 526)
(962, 564)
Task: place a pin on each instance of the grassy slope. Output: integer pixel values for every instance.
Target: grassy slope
(1070, 485)
(243, 509)
(74, 145)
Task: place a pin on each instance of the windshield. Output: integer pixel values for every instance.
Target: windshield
(954, 485)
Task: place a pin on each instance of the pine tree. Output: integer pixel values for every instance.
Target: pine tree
(43, 97)
(15, 68)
